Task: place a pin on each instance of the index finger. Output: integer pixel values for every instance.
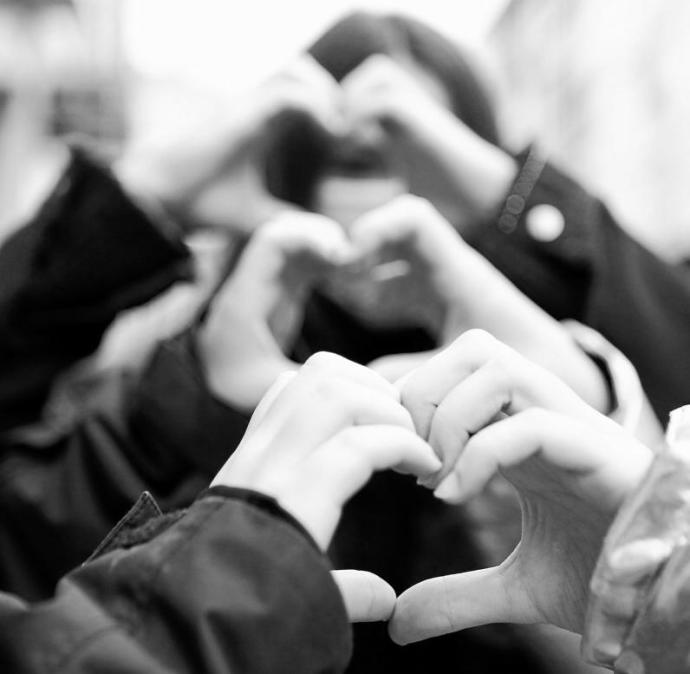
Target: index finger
(427, 386)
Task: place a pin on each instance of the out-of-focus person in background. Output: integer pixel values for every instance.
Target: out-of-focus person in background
(557, 243)
(52, 86)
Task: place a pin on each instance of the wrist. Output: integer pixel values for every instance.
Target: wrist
(236, 368)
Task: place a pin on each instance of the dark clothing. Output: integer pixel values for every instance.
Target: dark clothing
(88, 255)
(593, 272)
(597, 274)
(61, 491)
(232, 585)
(393, 527)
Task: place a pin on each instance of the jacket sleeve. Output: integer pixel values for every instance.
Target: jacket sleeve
(232, 585)
(561, 246)
(89, 253)
(62, 488)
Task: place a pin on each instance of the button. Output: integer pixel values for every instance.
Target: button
(514, 204)
(545, 223)
(507, 223)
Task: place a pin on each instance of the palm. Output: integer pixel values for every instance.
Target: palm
(549, 571)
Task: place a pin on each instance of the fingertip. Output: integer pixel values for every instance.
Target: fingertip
(403, 627)
(367, 597)
(449, 490)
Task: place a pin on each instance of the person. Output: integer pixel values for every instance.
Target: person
(99, 245)
(556, 242)
(204, 589)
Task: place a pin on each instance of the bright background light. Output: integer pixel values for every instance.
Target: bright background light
(210, 41)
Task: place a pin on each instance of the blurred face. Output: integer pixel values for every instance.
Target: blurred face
(368, 173)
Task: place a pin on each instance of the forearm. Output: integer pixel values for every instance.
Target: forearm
(574, 261)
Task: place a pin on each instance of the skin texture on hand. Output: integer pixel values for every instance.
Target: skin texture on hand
(317, 437)
(256, 313)
(484, 409)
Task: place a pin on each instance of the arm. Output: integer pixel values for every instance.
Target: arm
(88, 254)
(573, 260)
(212, 591)
(208, 593)
(594, 272)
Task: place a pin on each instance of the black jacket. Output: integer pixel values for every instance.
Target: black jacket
(596, 273)
(232, 585)
(63, 484)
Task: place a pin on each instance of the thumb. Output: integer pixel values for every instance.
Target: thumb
(451, 603)
(367, 597)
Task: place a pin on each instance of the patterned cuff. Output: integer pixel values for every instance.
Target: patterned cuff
(625, 389)
(515, 203)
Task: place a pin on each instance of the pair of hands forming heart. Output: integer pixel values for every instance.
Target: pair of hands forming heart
(212, 171)
(473, 410)
(450, 287)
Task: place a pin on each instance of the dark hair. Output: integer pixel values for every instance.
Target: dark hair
(359, 35)
(299, 153)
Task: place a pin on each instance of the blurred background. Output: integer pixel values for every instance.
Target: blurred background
(598, 85)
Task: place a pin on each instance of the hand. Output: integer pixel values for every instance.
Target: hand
(570, 466)
(317, 437)
(407, 114)
(451, 288)
(253, 320)
(211, 171)
(407, 270)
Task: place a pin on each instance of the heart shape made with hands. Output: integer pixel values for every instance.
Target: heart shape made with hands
(366, 125)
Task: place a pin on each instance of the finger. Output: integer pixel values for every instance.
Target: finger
(405, 219)
(269, 399)
(505, 384)
(428, 385)
(324, 480)
(373, 91)
(345, 463)
(323, 364)
(603, 466)
(293, 232)
(306, 86)
(329, 393)
(451, 603)
(291, 251)
(367, 597)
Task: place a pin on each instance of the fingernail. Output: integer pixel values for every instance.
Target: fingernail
(430, 481)
(449, 489)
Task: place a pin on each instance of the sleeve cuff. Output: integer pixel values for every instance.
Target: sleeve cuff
(266, 503)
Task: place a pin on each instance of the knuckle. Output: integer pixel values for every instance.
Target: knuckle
(328, 391)
(323, 361)
(349, 439)
(536, 416)
(416, 207)
(506, 364)
(478, 335)
(476, 338)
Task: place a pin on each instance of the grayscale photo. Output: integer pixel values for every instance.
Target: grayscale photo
(344, 337)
